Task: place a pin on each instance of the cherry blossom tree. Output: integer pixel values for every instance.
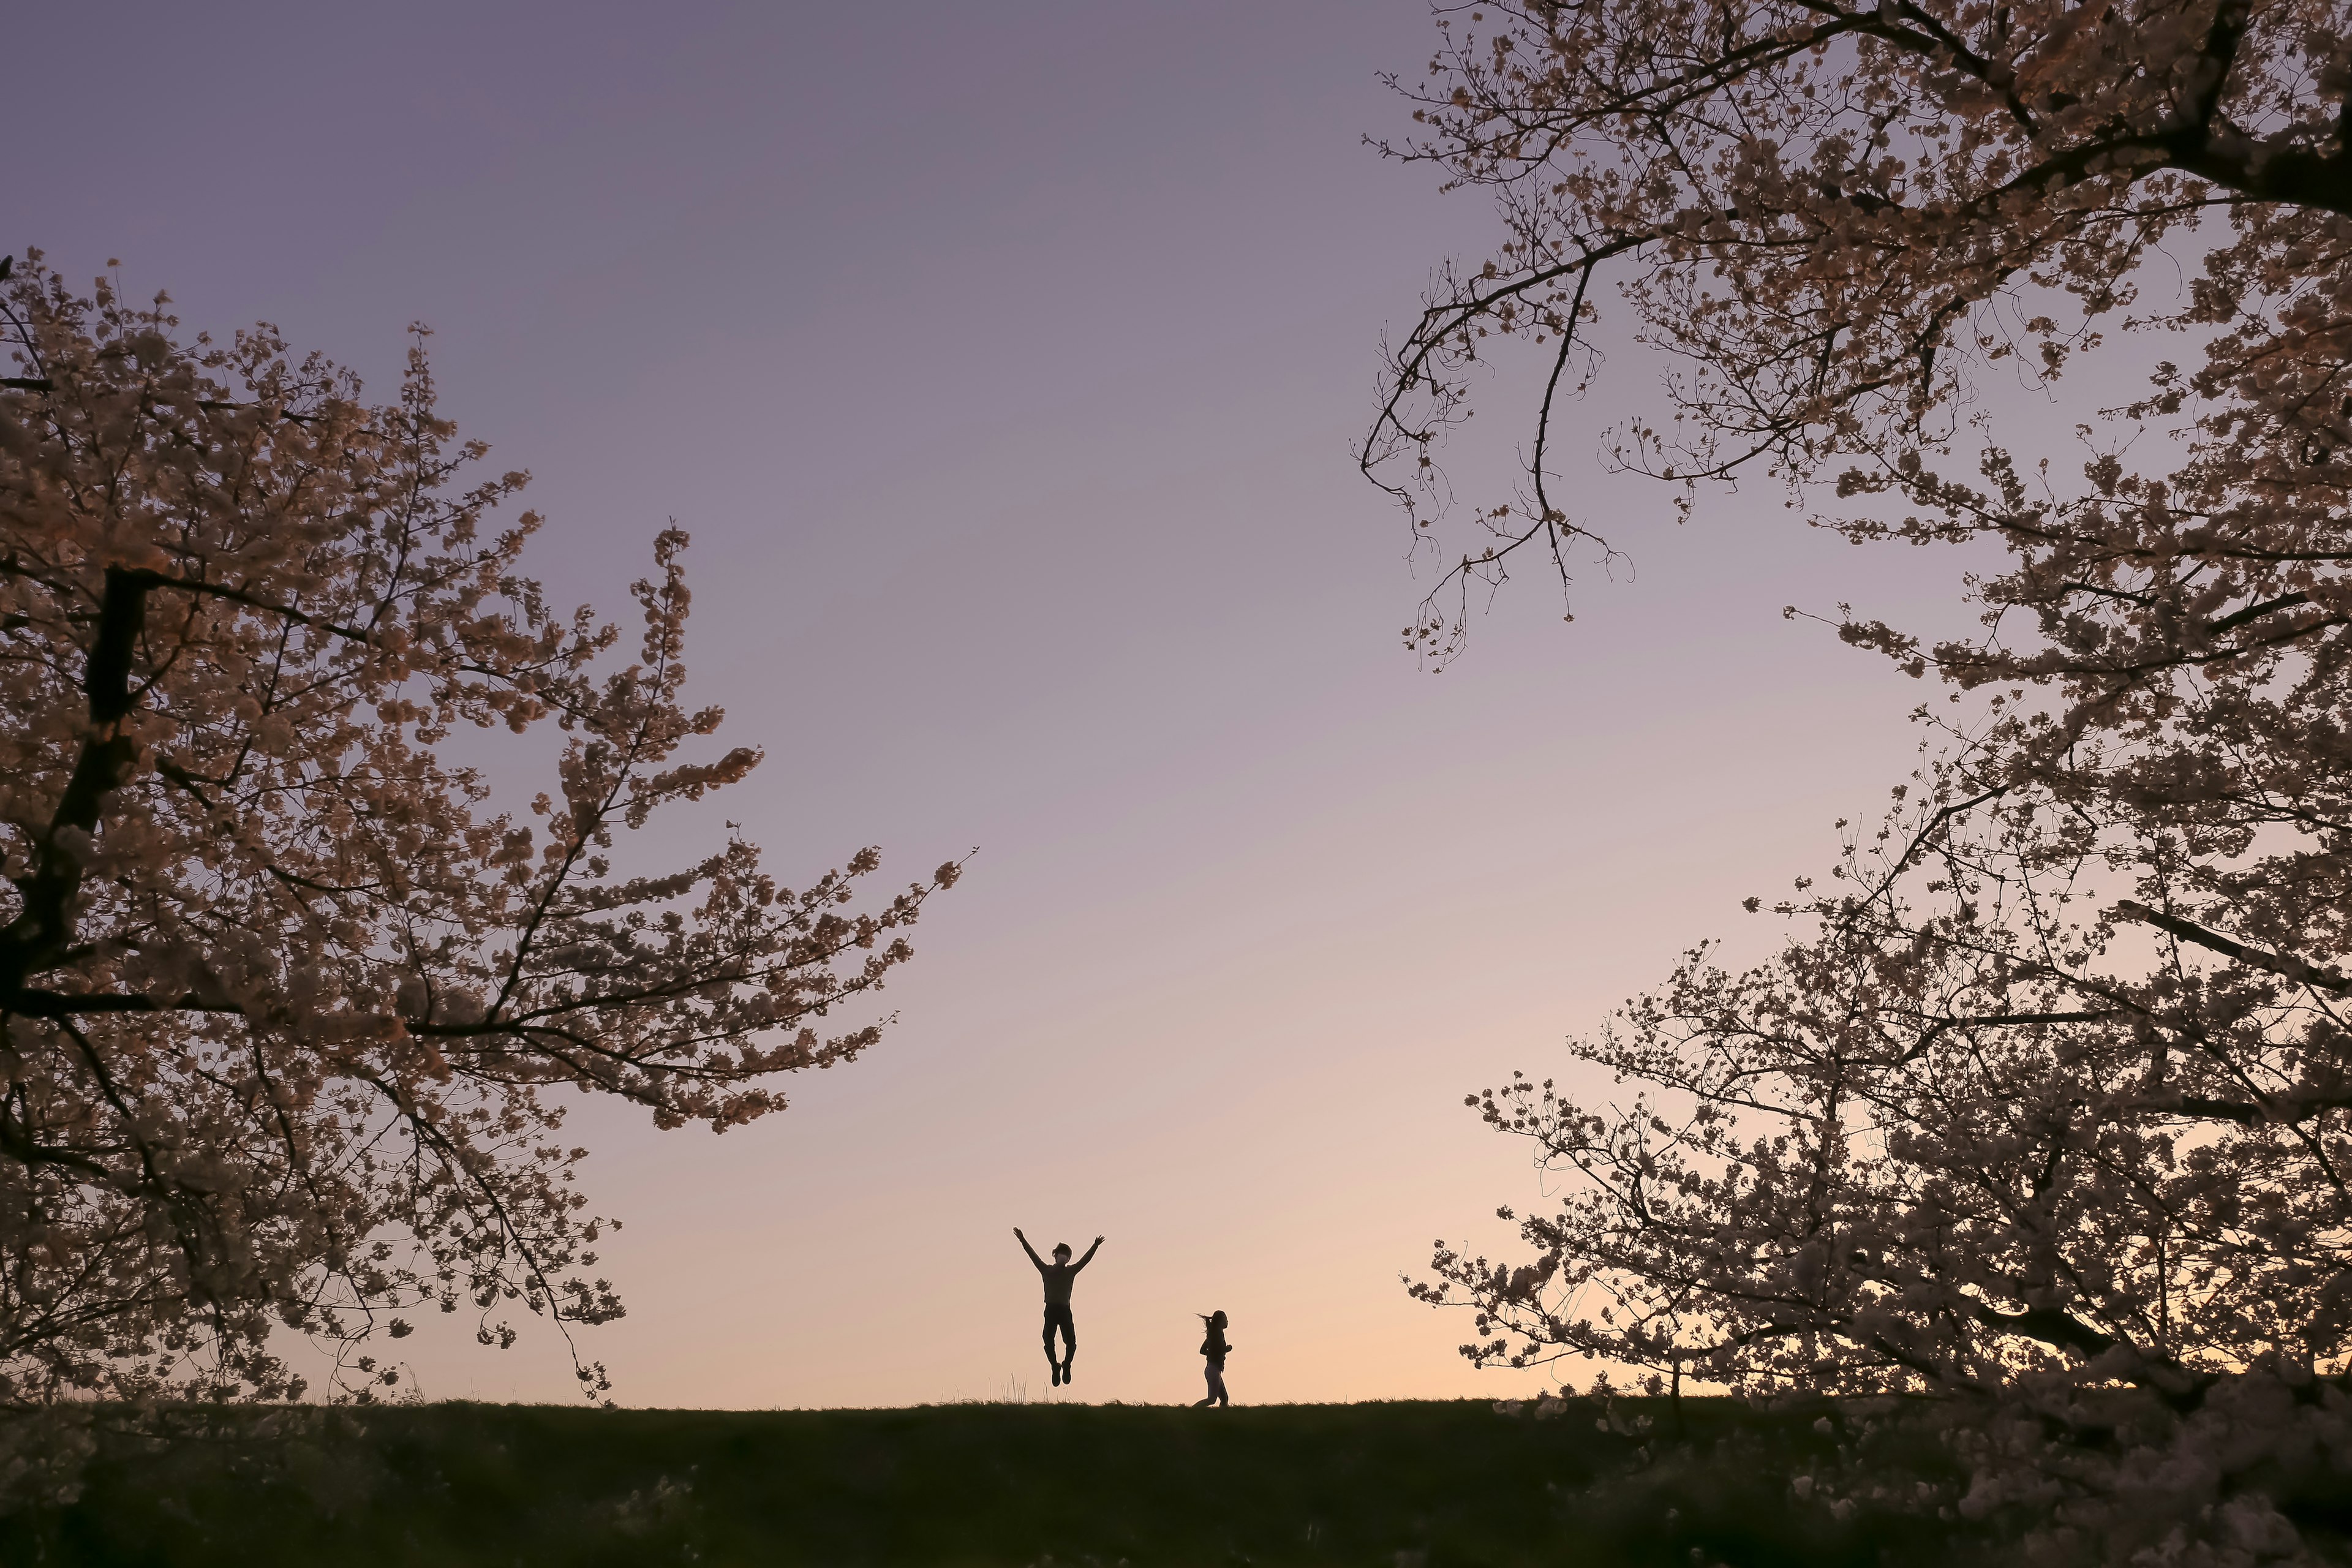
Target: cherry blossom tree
(1972, 1141)
(2040, 1114)
(291, 1010)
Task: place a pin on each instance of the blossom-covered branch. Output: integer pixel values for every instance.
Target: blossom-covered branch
(1830, 215)
(288, 1010)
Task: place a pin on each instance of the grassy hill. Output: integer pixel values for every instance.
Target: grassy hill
(1396, 1485)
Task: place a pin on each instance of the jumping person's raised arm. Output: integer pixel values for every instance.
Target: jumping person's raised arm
(1031, 1250)
(1089, 1258)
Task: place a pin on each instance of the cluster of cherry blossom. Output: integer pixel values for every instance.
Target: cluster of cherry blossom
(289, 1011)
(2040, 1119)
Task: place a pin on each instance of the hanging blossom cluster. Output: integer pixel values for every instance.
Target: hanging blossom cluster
(2042, 1114)
(288, 1013)
(1831, 216)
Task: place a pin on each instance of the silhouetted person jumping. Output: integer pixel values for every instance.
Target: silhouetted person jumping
(1058, 1276)
(1215, 1349)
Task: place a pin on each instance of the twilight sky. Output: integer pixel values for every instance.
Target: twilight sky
(1003, 361)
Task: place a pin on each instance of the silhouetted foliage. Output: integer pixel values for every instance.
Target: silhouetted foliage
(2040, 1116)
(289, 1008)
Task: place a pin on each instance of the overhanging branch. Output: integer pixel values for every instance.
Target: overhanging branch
(2279, 963)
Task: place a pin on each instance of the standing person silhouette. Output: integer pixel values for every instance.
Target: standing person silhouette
(1058, 1276)
(1215, 1350)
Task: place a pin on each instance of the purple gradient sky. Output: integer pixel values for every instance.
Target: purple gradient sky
(1003, 361)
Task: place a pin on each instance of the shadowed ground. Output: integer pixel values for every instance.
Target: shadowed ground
(1399, 1485)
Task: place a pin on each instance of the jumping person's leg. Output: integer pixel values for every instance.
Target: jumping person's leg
(1053, 1316)
(1217, 1382)
(1059, 1318)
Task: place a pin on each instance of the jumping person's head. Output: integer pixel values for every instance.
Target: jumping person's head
(1061, 1252)
(1214, 1319)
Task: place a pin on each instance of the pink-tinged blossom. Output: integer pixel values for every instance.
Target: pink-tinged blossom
(2041, 1117)
(290, 1009)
